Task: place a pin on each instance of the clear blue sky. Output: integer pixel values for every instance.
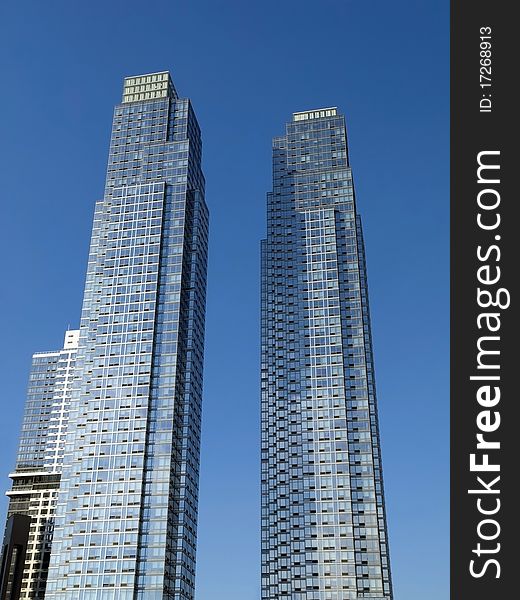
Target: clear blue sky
(247, 66)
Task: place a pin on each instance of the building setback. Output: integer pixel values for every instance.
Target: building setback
(323, 512)
(126, 515)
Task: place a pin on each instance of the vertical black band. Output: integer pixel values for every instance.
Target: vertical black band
(485, 252)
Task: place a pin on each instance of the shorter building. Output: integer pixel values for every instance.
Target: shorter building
(36, 477)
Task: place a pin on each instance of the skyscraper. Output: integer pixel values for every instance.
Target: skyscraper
(323, 513)
(36, 477)
(126, 514)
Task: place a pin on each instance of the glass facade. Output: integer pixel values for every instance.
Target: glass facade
(323, 513)
(39, 462)
(126, 515)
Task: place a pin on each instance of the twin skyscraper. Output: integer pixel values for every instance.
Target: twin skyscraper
(103, 504)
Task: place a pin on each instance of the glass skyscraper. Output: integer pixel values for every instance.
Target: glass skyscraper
(36, 478)
(324, 531)
(126, 514)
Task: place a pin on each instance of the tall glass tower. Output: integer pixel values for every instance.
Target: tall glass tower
(36, 478)
(323, 513)
(126, 515)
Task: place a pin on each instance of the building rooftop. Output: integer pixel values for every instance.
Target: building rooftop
(148, 87)
(317, 113)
